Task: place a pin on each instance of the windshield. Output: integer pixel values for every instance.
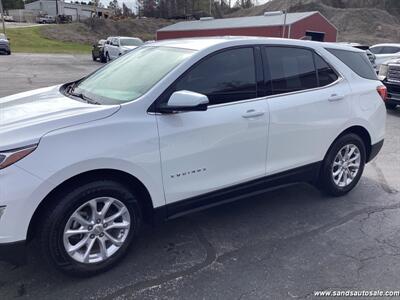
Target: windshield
(130, 42)
(132, 75)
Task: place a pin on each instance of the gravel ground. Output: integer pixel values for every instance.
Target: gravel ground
(283, 244)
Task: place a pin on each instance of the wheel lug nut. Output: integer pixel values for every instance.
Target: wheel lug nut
(90, 227)
(98, 221)
(105, 225)
(92, 236)
(101, 234)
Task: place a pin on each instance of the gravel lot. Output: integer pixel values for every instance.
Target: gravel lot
(284, 244)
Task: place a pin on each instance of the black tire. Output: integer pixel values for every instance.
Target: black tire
(94, 57)
(102, 58)
(326, 182)
(107, 57)
(54, 223)
(390, 106)
(9, 52)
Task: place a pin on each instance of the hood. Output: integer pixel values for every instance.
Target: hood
(395, 61)
(26, 117)
(126, 48)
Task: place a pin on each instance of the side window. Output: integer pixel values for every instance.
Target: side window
(357, 61)
(325, 73)
(390, 50)
(224, 77)
(376, 50)
(291, 69)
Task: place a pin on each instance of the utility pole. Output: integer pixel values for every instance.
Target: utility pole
(210, 7)
(2, 16)
(57, 8)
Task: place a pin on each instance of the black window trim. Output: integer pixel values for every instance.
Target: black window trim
(153, 107)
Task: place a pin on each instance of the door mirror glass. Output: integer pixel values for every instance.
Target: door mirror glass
(186, 101)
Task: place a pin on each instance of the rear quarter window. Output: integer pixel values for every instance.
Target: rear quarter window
(356, 61)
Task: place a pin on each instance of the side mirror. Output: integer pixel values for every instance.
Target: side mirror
(185, 101)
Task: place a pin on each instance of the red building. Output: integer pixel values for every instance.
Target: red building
(272, 24)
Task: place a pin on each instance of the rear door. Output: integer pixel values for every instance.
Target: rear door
(225, 145)
(307, 107)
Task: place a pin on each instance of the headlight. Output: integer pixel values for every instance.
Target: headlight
(383, 71)
(7, 158)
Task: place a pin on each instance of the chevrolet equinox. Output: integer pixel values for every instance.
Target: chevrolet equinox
(175, 126)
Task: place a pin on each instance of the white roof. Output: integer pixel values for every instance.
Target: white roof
(257, 21)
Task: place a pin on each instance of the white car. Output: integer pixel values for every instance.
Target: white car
(176, 126)
(384, 53)
(117, 46)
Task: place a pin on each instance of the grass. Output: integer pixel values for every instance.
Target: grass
(30, 40)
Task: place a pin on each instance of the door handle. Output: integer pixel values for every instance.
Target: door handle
(252, 113)
(335, 97)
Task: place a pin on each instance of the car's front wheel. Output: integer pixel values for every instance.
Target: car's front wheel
(107, 57)
(343, 165)
(90, 229)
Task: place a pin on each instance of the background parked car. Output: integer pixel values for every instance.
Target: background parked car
(98, 51)
(385, 52)
(117, 46)
(46, 19)
(389, 74)
(4, 44)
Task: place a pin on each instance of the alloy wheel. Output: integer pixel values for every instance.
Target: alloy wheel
(96, 230)
(346, 165)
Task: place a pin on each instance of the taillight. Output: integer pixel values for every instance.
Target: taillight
(382, 91)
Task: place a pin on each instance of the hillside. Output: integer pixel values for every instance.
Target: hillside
(363, 21)
(92, 30)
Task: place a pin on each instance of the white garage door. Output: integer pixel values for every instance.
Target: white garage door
(86, 14)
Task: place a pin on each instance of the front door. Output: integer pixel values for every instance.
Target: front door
(223, 146)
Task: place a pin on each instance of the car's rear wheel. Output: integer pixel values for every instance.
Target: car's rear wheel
(90, 229)
(343, 165)
(94, 57)
(390, 105)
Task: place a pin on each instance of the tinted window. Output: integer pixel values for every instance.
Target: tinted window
(225, 77)
(325, 73)
(389, 50)
(376, 50)
(356, 61)
(291, 69)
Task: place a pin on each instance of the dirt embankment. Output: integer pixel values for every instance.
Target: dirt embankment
(93, 30)
(363, 21)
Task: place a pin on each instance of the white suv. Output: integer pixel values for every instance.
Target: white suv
(175, 126)
(117, 46)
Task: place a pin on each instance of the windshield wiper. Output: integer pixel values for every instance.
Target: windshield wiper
(71, 91)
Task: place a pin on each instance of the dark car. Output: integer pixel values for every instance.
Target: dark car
(4, 44)
(389, 74)
(98, 51)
